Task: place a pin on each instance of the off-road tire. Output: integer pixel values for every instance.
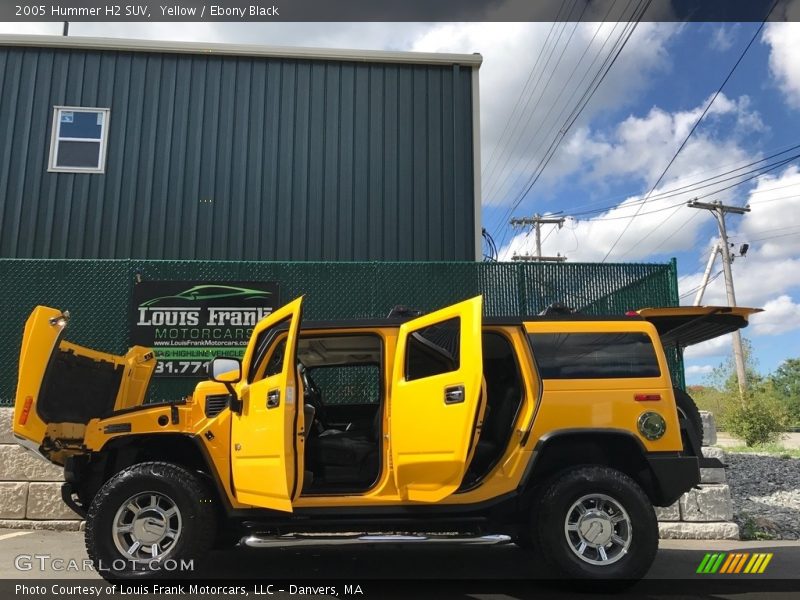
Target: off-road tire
(688, 409)
(549, 513)
(191, 495)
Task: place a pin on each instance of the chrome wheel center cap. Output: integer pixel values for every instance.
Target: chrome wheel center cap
(596, 528)
(149, 526)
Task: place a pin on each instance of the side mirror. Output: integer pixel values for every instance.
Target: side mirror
(225, 370)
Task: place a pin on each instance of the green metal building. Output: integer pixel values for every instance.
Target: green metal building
(350, 177)
(120, 149)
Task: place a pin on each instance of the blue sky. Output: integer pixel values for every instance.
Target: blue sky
(618, 147)
(620, 150)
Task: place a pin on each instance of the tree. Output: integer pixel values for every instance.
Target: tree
(762, 416)
(786, 381)
(723, 377)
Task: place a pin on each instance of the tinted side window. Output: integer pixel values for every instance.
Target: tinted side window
(433, 350)
(263, 344)
(275, 362)
(594, 355)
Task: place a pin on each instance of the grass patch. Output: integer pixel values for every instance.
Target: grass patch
(773, 449)
(751, 531)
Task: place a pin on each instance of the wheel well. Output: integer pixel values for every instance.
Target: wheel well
(122, 452)
(617, 450)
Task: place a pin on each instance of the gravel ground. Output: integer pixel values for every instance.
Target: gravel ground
(766, 495)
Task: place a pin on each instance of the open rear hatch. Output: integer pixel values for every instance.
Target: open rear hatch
(62, 386)
(682, 326)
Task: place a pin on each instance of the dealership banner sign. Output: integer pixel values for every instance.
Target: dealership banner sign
(187, 323)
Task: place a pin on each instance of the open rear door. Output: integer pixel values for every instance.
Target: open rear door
(266, 465)
(435, 400)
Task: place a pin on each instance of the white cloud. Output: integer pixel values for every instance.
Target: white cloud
(699, 369)
(723, 36)
(392, 36)
(717, 347)
(533, 63)
(784, 58)
(773, 225)
(25, 28)
(638, 149)
(780, 315)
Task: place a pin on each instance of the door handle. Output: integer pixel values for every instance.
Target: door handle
(454, 395)
(274, 399)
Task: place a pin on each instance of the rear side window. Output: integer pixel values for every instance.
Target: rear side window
(594, 355)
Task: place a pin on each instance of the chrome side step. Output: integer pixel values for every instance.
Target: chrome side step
(349, 539)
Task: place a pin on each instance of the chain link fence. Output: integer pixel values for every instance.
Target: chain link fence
(98, 293)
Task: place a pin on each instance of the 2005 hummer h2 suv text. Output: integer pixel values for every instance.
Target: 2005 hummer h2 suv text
(557, 432)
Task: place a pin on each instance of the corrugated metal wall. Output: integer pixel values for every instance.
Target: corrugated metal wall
(218, 157)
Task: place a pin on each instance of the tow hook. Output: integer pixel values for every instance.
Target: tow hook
(68, 495)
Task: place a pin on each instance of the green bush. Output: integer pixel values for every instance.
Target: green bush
(759, 421)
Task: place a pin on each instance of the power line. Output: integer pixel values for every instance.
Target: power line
(517, 132)
(694, 290)
(625, 196)
(605, 68)
(758, 173)
(522, 94)
(692, 187)
(582, 103)
(501, 183)
(772, 237)
(692, 130)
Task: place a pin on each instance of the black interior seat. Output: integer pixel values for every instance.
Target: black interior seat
(347, 456)
(497, 424)
(503, 401)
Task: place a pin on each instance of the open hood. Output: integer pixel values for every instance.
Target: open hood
(62, 386)
(683, 326)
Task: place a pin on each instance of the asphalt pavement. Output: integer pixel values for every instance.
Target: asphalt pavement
(43, 555)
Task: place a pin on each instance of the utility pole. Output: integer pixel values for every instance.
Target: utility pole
(703, 284)
(719, 210)
(536, 221)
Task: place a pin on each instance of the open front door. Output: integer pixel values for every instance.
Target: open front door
(267, 436)
(435, 400)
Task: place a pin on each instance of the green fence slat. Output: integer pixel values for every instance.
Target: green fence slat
(97, 292)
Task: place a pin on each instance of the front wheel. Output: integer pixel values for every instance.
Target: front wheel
(151, 519)
(595, 522)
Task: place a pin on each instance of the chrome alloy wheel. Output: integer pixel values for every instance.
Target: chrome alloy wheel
(598, 529)
(147, 526)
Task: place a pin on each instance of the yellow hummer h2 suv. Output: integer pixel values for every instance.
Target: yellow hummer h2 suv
(557, 432)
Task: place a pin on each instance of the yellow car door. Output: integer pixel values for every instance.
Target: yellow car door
(435, 400)
(266, 466)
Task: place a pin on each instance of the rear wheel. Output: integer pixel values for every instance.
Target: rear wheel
(687, 410)
(150, 519)
(595, 522)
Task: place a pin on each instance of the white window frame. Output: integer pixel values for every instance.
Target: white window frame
(55, 139)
